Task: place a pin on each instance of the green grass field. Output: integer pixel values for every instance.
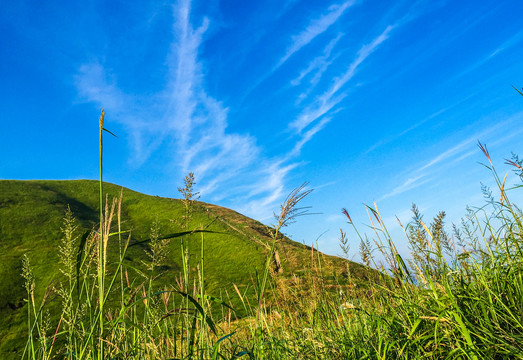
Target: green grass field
(31, 222)
(93, 271)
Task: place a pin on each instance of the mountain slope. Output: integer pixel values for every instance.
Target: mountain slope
(31, 218)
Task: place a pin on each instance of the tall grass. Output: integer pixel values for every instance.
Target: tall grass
(456, 296)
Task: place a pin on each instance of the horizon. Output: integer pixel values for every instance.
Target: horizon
(366, 101)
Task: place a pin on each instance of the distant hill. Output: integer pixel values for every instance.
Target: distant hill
(31, 217)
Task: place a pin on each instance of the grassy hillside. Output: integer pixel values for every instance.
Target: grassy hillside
(458, 296)
(31, 222)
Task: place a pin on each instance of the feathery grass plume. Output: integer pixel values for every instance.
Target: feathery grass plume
(442, 240)
(288, 214)
(189, 196)
(366, 252)
(485, 152)
(344, 244)
(517, 163)
(29, 284)
(438, 242)
(68, 249)
(289, 210)
(68, 246)
(365, 244)
(157, 254)
(419, 243)
(158, 247)
(27, 274)
(43, 331)
(346, 213)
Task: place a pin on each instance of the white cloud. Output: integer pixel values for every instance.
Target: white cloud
(308, 136)
(453, 151)
(409, 184)
(513, 40)
(421, 122)
(191, 125)
(287, 5)
(315, 28)
(335, 218)
(363, 53)
(314, 112)
(317, 68)
(319, 63)
(92, 83)
(325, 102)
(466, 148)
(263, 207)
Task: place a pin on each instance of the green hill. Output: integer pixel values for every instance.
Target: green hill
(31, 218)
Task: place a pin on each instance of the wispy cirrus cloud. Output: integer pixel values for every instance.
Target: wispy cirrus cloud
(92, 81)
(318, 64)
(420, 174)
(328, 101)
(431, 168)
(409, 184)
(363, 53)
(512, 41)
(410, 128)
(272, 189)
(307, 136)
(97, 84)
(185, 121)
(450, 153)
(317, 68)
(330, 98)
(315, 28)
(287, 5)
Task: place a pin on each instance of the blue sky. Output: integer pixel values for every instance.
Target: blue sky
(367, 100)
